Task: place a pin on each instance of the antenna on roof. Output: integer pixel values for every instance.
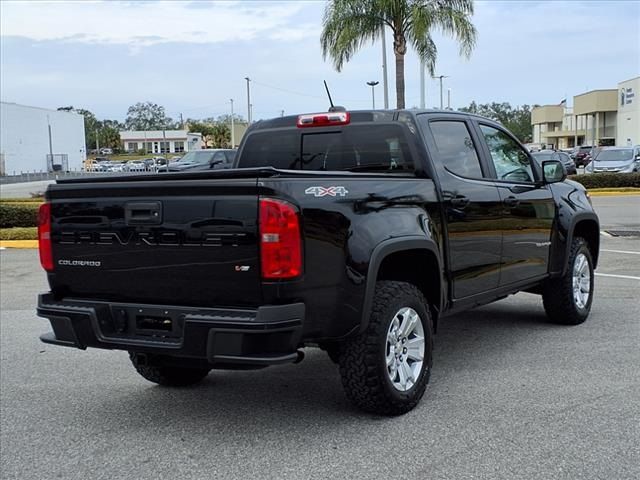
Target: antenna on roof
(333, 108)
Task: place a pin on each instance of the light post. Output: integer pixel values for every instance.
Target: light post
(441, 99)
(233, 136)
(372, 84)
(248, 100)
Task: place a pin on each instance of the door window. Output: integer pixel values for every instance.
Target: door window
(455, 148)
(512, 163)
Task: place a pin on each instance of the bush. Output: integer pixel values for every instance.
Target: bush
(19, 233)
(608, 180)
(18, 214)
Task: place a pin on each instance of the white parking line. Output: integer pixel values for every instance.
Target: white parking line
(627, 277)
(620, 251)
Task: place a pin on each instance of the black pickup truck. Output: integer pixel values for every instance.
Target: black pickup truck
(356, 232)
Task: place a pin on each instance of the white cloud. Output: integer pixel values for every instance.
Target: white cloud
(141, 24)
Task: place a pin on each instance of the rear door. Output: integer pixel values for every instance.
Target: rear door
(176, 242)
(527, 210)
(471, 203)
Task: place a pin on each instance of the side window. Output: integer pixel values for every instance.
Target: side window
(511, 161)
(455, 148)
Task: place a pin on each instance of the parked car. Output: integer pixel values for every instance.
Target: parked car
(563, 157)
(358, 232)
(106, 151)
(117, 167)
(582, 155)
(544, 155)
(136, 166)
(616, 160)
(203, 160)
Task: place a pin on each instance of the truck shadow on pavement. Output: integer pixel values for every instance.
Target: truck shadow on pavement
(310, 394)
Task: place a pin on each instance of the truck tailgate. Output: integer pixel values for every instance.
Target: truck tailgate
(164, 242)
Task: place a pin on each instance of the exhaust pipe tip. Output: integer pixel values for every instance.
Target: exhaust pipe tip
(300, 356)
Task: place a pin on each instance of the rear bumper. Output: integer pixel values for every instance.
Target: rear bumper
(266, 335)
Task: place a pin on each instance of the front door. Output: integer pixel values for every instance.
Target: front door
(471, 204)
(528, 209)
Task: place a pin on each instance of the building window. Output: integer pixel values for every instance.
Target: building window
(164, 147)
(132, 147)
(178, 147)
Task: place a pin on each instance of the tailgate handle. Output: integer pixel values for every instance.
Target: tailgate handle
(143, 213)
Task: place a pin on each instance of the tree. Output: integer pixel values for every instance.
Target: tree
(109, 137)
(516, 119)
(206, 129)
(348, 24)
(227, 119)
(146, 116)
(221, 135)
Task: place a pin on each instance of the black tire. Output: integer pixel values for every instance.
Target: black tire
(169, 376)
(558, 296)
(364, 373)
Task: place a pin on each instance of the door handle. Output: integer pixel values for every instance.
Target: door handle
(460, 201)
(511, 201)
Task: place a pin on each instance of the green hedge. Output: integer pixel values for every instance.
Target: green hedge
(19, 233)
(18, 215)
(608, 180)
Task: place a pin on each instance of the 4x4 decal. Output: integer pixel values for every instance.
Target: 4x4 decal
(324, 191)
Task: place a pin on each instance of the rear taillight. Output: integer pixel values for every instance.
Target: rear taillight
(44, 236)
(280, 242)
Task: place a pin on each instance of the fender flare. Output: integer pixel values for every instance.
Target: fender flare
(386, 248)
(591, 216)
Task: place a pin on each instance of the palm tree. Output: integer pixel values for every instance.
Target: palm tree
(348, 24)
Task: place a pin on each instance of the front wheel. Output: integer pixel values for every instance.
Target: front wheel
(567, 299)
(385, 369)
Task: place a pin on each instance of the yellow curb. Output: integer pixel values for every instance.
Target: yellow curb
(19, 243)
(612, 194)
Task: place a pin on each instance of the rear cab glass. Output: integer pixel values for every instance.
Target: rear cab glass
(364, 147)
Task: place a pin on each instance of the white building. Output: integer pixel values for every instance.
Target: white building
(159, 141)
(628, 112)
(29, 135)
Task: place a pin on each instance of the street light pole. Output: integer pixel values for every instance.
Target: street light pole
(248, 100)
(233, 134)
(441, 99)
(372, 84)
(448, 99)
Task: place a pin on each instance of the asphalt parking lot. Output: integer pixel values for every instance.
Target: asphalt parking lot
(511, 396)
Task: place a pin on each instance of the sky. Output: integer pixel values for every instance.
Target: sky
(192, 56)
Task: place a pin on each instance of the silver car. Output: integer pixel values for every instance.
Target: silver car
(616, 160)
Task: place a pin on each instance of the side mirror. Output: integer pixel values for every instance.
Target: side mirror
(638, 157)
(553, 171)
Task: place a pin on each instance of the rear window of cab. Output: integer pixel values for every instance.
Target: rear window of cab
(379, 148)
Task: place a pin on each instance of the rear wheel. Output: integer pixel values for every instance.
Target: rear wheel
(385, 369)
(567, 299)
(170, 376)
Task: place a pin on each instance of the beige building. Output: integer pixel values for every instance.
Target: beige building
(598, 117)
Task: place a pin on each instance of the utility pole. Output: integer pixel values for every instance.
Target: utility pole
(248, 100)
(385, 82)
(282, 113)
(441, 98)
(372, 84)
(422, 82)
(97, 143)
(233, 133)
(448, 99)
(181, 122)
(251, 111)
